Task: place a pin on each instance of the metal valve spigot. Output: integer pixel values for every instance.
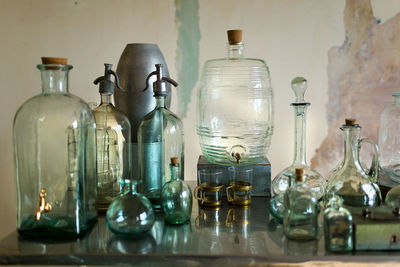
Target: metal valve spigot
(43, 205)
(237, 157)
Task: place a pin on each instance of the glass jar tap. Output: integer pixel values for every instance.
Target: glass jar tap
(55, 158)
(349, 180)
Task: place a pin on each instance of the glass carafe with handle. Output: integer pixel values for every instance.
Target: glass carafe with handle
(349, 180)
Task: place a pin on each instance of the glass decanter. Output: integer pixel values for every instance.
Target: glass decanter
(349, 180)
(389, 141)
(235, 109)
(338, 226)
(55, 158)
(131, 213)
(160, 137)
(176, 197)
(300, 221)
(283, 180)
(113, 130)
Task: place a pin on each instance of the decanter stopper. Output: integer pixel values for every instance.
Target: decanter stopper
(350, 122)
(299, 87)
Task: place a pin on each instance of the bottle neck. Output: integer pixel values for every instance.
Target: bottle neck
(300, 135)
(160, 101)
(235, 51)
(351, 136)
(174, 172)
(106, 99)
(54, 78)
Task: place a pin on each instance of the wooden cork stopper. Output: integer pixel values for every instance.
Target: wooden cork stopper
(350, 121)
(234, 36)
(174, 161)
(55, 60)
(300, 174)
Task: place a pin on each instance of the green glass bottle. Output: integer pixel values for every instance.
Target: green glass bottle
(160, 137)
(338, 226)
(176, 197)
(113, 130)
(300, 221)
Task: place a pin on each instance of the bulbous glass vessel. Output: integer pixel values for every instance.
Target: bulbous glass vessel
(300, 221)
(176, 197)
(131, 213)
(393, 197)
(55, 158)
(113, 130)
(235, 107)
(349, 180)
(338, 226)
(389, 141)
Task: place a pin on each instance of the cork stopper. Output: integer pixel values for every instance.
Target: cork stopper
(55, 60)
(174, 161)
(300, 174)
(234, 36)
(350, 121)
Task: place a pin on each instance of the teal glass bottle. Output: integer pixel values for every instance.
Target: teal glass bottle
(300, 221)
(176, 197)
(113, 130)
(338, 226)
(55, 158)
(131, 213)
(160, 137)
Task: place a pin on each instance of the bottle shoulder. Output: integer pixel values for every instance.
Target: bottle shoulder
(110, 115)
(236, 63)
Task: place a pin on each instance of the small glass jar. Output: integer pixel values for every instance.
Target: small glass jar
(300, 221)
(338, 226)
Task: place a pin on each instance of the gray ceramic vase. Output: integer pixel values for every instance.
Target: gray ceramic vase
(135, 63)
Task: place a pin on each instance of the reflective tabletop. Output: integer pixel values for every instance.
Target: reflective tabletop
(228, 234)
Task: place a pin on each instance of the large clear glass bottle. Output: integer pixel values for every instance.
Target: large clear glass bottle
(338, 226)
(160, 137)
(235, 107)
(176, 197)
(389, 139)
(113, 130)
(349, 180)
(283, 180)
(55, 158)
(300, 221)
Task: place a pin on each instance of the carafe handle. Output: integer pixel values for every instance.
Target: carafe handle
(373, 172)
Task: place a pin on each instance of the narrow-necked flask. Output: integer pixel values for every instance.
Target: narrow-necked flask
(300, 221)
(55, 158)
(176, 197)
(349, 180)
(131, 213)
(389, 141)
(338, 226)
(160, 137)
(113, 130)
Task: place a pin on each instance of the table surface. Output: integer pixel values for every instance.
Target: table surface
(230, 235)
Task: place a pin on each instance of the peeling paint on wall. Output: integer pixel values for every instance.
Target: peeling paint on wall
(362, 75)
(187, 53)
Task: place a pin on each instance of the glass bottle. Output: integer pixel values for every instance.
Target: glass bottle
(112, 130)
(176, 197)
(160, 137)
(283, 180)
(300, 221)
(349, 180)
(389, 141)
(392, 198)
(338, 226)
(131, 213)
(55, 158)
(235, 107)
